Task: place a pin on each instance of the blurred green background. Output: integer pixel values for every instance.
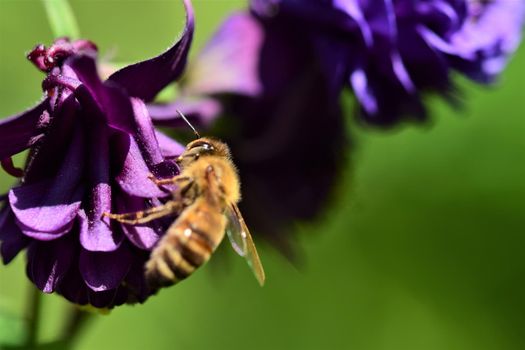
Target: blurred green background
(422, 247)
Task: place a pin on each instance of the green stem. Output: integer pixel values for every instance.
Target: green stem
(33, 316)
(77, 321)
(61, 18)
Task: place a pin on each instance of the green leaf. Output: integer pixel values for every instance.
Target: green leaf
(61, 18)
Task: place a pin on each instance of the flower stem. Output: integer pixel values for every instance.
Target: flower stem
(61, 18)
(77, 321)
(33, 316)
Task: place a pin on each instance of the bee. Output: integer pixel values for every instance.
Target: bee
(206, 195)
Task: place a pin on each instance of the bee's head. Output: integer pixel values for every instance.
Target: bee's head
(203, 146)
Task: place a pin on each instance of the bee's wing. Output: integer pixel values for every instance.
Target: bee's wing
(242, 242)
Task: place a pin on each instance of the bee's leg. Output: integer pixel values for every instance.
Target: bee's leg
(144, 216)
(171, 180)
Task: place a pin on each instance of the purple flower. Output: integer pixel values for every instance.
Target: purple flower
(390, 52)
(91, 148)
(285, 127)
(277, 72)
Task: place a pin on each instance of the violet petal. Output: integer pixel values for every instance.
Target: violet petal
(133, 177)
(18, 131)
(142, 236)
(50, 205)
(168, 146)
(95, 232)
(113, 103)
(48, 262)
(145, 135)
(199, 110)
(12, 241)
(229, 63)
(105, 270)
(145, 79)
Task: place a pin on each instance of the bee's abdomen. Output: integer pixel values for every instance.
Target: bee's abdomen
(187, 244)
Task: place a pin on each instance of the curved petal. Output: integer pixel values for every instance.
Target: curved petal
(73, 287)
(109, 99)
(49, 206)
(20, 131)
(46, 160)
(96, 233)
(363, 91)
(10, 168)
(145, 79)
(12, 241)
(168, 146)
(133, 177)
(229, 63)
(202, 110)
(136, 283)
(148, 144)
(102, 299)
(43, 235)
(94, 268)
(145, 135)
(48, 262)
(142, 236)
(353, 9)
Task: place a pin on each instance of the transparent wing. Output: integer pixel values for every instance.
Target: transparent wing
(242, 241)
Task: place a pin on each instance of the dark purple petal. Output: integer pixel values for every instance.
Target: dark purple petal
(95, 230)
(19, 132)
(46, 158)
(102, 299)
(145, 79)
(73, 287)
(104, 271)
(229, 62)
(48, 262)
(145, 135)
(148, 144)
(135, 281)
(142, 236)
(133, 178)
(48, 207)
(110, 100)
(199, 110)
(353, 9)
(10, 168)
(12, 241)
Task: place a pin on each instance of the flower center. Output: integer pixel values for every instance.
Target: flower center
(45, 59)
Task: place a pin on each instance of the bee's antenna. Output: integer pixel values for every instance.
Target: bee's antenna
(188, 122)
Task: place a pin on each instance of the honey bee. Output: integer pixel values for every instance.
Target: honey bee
(206, 195)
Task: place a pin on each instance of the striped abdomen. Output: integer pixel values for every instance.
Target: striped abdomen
(188, 243)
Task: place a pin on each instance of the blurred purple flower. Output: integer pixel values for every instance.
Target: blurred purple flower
(91, 148)
(390, 52)
(286, 131)
(277, 72)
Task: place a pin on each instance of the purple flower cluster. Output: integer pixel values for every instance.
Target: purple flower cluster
(390, 52)
(278, 70)
(91, 147)
(276, 74)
